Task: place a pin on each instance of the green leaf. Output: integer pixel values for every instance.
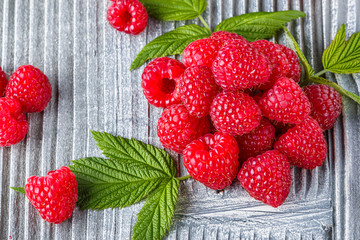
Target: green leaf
(154, 219)
(108, 183)
(174, 10)
(258, 25)
(343, 56)
(18, 189)
(170, 43)
(294, 45)
(131, 151)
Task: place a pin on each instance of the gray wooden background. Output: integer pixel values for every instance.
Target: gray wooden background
(88, 64)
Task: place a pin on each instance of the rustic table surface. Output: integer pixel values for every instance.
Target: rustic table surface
(88, 64)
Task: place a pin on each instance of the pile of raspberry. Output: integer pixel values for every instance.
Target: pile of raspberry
(234, 108)
(28, 90)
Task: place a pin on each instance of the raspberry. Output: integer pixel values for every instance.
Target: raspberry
(293, 61)
(160, 79)
(213, 160)
(3, 82)
(235, 113)
(197, 88)
(278, 61)
(304, 145)
(326, 104)
(256, 142)
(127, 16)
(30, 87)
(177, 128)
(267, 177)
(239, 66)
(285, 102)
(202, 52)
(54, 196)
(225, 37)
(13, 123)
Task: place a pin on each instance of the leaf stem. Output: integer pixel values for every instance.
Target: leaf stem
(204, 23)
(337, 87)
(184, 177)
(320, 73)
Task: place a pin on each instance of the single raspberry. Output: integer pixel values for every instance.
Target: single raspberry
(326, 104)
(225, 37)
(160, 79)
(256, 142)
(54, 196)
(235, 113)
(127, 16)
(239, 66)
(201, 52)
(3, 82)
(304, 145)
(13, 123)
(30, 87)
(177, 128)
(294, 64)
(197, 88)
(213, 160)
(278, 61)
(285, 102)
(267, 177)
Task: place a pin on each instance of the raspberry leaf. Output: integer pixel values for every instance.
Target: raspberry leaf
(154, 219)
(258, 25)
(105, 183)
(174, 10)
(170, 43)
(18, 189)
(294, 45)
(343, 56)
(131, 151)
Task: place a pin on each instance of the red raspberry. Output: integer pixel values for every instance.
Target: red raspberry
(213, 160)
(256, 142)
(177, 128)
(304, 145)
(54, 196)
(278, 61)
(267, 177)
(235, 113)
(225, 37)
(13, 123)
(239, 66)
(202, 52)
(294, 64)
(197, 88)
(3, 82)
(285, 102)
(326, 104)
(127, 16)
(31, 87)
(159, 81)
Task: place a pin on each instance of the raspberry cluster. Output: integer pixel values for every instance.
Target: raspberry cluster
(235, 109)
(28, 90)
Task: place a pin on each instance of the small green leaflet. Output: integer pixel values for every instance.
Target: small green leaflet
(134, 170)
(258, 25)
(308, 69)
(18, 189)
(174, 10)
(154, 219)
(108, 183)
(343, 56)
(170, 43)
